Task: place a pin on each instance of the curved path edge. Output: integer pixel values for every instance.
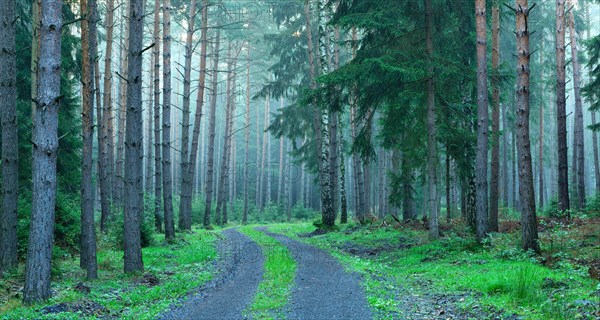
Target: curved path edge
(240, 270)
(323, 289)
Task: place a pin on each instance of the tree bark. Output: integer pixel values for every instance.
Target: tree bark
(88, 231)
(528, 214)
(149, 187)
(134, 144)
(106, 138)
(10, 137)
(561, 115)
(482, 123)
(211, 133)
(118, 180)
(541, 138)
(578, 132)
(247, 136)
(343, 197)
(495, 165)
(158, 214)
(185, 203)
(222, 187)
(434, 232)
(45, 149)
(166, 125)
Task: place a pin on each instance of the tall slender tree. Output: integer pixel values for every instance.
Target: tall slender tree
(167, 174)
(482, 123)
(526, 192)
(45, 149)
(10, 145)
(247, 136)
(185, 204)
(434, 232)
(210, 161)
(561, 113)
(105, 135)
(158, 213)
(134, 144)
(578, 147)
(88, 231)
(495, 165)
(594, 133)
(118, 180)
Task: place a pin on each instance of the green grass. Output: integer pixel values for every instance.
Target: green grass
(180, 267)
(499, 277)
(275, 287)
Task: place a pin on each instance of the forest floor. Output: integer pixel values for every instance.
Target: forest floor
(383, 270)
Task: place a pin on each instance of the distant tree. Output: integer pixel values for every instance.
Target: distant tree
(158, 213)
(45, 149)
(495, 165)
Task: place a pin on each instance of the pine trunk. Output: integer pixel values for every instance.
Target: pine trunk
(431, 131)
(166, 125)
(134, 144)
(495, 165)
(528, 213)
(10, 145)
(594, 133)
(578, 132)
(211, 133)
(247, 136)
(118, 175)
(222, 187)
(185, 203)
(105, 136)
(158, 213)
(149, 187)
(561, 114)
(187, 190)
(88, 231)
(45, 149)
(481, 170)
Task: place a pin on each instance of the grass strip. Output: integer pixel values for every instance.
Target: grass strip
(275, 288)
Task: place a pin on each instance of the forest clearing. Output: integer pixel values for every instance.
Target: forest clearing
(299, 159)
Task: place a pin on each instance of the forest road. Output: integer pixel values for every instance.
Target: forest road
(233, 290)
(322, 289)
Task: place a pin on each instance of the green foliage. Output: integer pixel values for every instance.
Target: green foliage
(180, 267)
(593, 206)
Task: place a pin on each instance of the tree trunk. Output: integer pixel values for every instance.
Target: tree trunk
(10, 137)
(35, 50)
(187, 190)
(185, 203)
(106, 142)
(448, 183)
(118, 175)
(578, 132)
(222, 187)
(45, 148)
(149, 187)
(495, 165)
(247, 136)
(431, 131)
(134, 144)
(88, 231)
(158, 214)
(211, 133)
(166, 125)
(505, 152)
(282, 154)
(541, 138)
(343, 197)
(481, 170)
(528, 214)
(561, 114)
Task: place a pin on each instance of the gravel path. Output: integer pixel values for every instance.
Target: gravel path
(323, 290)
(228, 295)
